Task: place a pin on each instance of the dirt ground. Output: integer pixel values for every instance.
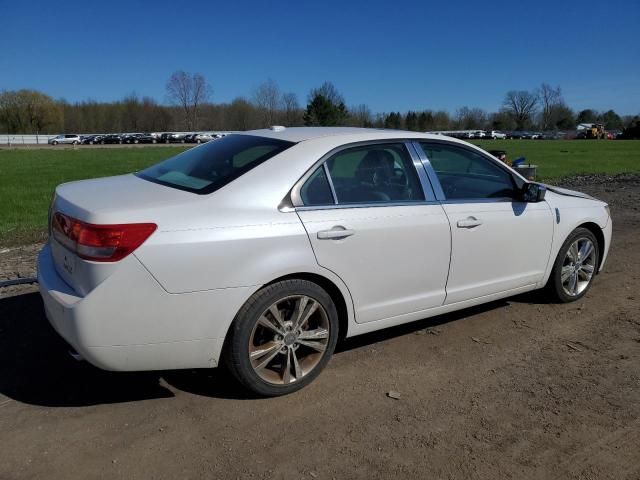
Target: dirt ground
(516, 389)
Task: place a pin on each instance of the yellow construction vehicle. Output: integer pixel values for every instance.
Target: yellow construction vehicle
(596, 132)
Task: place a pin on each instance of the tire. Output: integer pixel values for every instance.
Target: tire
(154, 141)
(565, 290)
(282, 365)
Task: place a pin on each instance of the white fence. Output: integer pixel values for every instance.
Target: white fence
(24, 139)
(18, 139)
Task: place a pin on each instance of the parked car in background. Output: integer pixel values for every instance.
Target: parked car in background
(131, 138)
(496, 135)
(92, 139)
(112, 139)
(259, 250)
(164, 137)
(69, 139)
(177, 137)
(203, 137)
(147, 138)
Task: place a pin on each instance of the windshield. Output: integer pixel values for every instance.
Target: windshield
(207, 168)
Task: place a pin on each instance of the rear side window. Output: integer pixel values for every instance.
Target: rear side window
(381, 173)
(213, 165)
(316, 190)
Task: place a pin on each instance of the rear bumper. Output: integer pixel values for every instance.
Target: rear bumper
(129, 323)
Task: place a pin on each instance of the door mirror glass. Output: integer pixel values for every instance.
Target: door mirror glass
(533, 192)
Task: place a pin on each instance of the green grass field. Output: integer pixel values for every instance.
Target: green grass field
(29, 176)
(561, 158)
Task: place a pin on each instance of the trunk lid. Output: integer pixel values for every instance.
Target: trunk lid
(112, 200)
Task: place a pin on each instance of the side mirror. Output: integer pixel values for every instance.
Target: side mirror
(533, 192)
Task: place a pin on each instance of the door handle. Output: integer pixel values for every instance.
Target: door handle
(469, 222)
(335, 233)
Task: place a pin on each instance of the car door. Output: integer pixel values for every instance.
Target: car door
(498, 243)
(373, 220)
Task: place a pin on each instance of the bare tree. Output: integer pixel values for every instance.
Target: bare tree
(328, 91)
(189, 92)
(521, 105)
(470, 118)
(361, 116)
(268, 99)
(550, 98)
(291, 109)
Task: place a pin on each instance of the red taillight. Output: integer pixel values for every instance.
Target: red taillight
(100, 243)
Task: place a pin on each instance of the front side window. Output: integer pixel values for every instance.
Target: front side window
(213, 165)
(465, 174)
(381, 173)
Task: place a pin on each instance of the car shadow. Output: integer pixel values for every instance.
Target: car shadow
(36, 369)
(367, 339)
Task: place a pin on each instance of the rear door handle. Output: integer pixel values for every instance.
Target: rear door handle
(335, 233)
(469, 222)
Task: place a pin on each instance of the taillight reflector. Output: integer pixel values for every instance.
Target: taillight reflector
(99, 243)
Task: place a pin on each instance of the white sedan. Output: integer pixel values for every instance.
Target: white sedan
(259, 250)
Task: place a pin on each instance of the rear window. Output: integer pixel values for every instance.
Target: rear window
(213, 165)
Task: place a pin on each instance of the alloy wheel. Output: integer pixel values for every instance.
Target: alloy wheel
(289, 339)
(578, 267)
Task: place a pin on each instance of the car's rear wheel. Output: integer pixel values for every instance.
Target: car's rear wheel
(575, 266)
(282, 337)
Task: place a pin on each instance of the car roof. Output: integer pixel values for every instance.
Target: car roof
(301, 134)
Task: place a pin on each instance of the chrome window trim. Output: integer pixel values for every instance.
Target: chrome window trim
(427, 187)
(431, 173)
(365, 205)
(480, 200)
(327, 174)
(296, 200)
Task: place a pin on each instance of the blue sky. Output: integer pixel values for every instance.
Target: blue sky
(392, 55)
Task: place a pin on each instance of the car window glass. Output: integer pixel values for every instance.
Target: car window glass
(316, 190)
(212, 166)
(379, 173)
(465, 174)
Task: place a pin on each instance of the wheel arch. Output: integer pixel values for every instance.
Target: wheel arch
(331, 288)
(341, 299)
(597, 232)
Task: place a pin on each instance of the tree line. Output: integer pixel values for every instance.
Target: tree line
(189, 106)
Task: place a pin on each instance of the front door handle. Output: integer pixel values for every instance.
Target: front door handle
(336, 233)
(469, 222)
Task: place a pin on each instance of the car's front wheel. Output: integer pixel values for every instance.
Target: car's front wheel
(575, 266)
(282, 337)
